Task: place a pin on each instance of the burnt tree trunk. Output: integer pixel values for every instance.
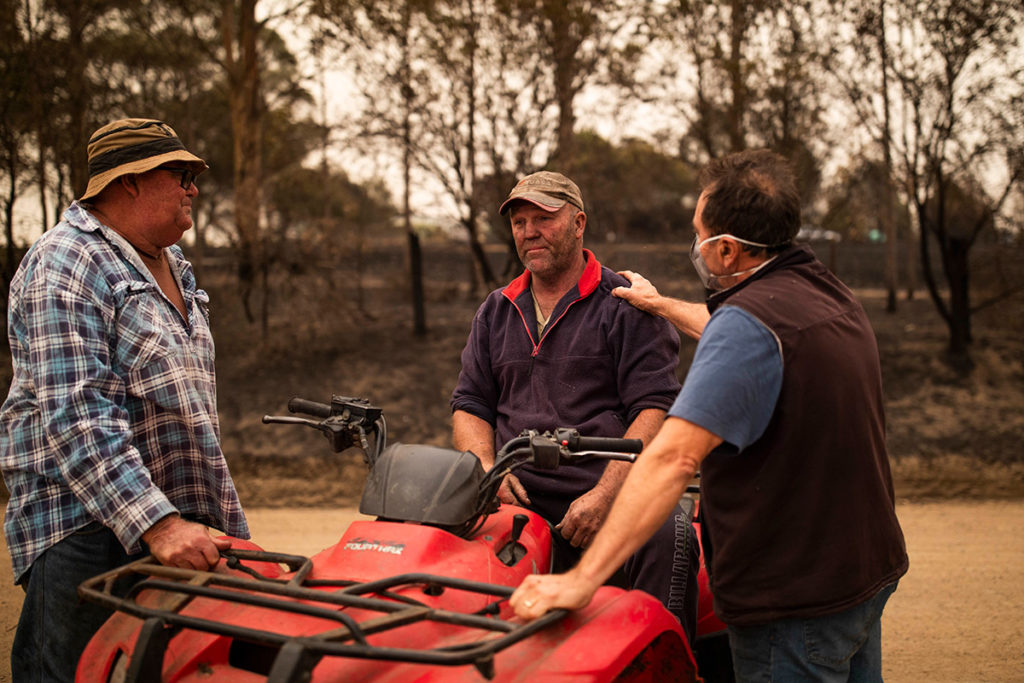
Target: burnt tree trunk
(239, 35)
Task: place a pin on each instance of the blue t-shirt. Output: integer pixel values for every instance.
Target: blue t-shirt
(735, 378)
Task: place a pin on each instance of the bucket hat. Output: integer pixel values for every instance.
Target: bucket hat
(133, 146)
(546, 189)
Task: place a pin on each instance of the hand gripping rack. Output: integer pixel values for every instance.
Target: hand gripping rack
(298, 655)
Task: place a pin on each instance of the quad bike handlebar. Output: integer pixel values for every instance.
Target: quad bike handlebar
(346, 422)
(470, 494)
(547, 451)
(301, 405)
(345, 415)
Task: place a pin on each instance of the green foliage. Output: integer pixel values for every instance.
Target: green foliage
(632, 191)
(324, 205)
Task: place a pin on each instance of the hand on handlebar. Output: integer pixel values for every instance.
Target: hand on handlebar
(512, 491)
(175, 542)
(585, 516)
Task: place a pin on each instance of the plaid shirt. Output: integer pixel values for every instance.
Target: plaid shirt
(112, 412)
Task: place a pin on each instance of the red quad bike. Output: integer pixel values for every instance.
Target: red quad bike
(418, 594)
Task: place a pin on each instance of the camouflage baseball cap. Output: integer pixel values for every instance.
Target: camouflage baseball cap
(545, 189)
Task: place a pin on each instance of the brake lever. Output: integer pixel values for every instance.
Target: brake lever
(288, 419)
(336, 428)
(605, 455)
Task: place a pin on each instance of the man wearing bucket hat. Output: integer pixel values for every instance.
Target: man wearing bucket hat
(109, 437)
(555, 349)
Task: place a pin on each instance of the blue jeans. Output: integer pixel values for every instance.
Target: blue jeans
(839, 647)
(55, 625)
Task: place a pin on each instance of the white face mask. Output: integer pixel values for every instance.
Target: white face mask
(709, 279)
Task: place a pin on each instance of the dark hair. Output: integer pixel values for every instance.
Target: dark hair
(752, 195)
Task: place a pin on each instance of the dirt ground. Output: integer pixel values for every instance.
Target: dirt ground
(958, 614)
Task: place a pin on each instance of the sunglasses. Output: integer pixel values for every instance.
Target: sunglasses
(187, 175)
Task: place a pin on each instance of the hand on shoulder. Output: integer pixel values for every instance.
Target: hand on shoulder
(640, 293)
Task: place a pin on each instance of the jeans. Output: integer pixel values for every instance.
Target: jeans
(839, 647)
(55, 625)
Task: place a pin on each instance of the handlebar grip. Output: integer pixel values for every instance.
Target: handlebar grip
(301, 405)
(606, 443)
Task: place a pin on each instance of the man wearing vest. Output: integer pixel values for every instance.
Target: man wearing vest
(782, 412)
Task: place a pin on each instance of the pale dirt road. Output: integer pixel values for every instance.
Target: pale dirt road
(957, 616)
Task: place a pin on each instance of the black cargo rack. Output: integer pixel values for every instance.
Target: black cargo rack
(296, 656)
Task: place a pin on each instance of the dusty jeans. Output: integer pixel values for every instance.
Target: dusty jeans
(55, 625)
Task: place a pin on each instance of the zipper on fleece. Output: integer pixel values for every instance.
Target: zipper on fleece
(547, 328)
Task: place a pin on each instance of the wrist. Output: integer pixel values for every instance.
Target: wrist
(159, 526)
(585, 575)
(606, 490)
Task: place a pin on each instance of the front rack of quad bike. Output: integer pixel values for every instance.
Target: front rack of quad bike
(293, 657)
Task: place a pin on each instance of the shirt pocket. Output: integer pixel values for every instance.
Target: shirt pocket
(149, 338)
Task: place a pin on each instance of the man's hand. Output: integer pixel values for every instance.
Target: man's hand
(641, 293)
(175, 542)
(540, 593)
(585, 516)
(690, 318)
(512, 491)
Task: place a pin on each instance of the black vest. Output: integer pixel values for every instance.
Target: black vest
(802, 522)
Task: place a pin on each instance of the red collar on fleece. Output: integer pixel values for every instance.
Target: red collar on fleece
(589, 281)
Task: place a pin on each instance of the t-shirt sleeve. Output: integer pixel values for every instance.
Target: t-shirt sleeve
(734, 380)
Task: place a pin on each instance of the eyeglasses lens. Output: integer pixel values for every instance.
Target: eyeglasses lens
(187, 176)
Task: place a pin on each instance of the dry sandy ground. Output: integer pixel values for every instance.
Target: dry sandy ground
(957, 616)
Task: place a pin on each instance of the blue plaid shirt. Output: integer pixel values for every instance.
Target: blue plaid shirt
(112, 412)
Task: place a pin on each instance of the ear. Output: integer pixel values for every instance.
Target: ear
(130, 183)
(729, 251)
(581, 224)
(725, 248)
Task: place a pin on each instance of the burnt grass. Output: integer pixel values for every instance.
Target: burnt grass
(332, 329)
(951, 432)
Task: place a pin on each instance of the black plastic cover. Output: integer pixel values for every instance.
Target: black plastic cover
(426, 484)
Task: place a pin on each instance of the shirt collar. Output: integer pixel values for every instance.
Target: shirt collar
(588, 282)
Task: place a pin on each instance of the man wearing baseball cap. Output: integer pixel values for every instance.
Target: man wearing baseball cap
(109, 437)
(555, 349)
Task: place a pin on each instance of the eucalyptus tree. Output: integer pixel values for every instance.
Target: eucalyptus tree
(585, 43)
(707, 71)
(457, 44)
(15, 122)
(60, 85)
(383, 43)
(952, 96)
(221, 55)
(84, 96)
(633, 190)
(490, 114)
(429, 75)
(744, 74)
(479, 92)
